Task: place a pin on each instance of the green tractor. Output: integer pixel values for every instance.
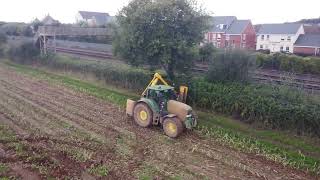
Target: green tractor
(159, 106)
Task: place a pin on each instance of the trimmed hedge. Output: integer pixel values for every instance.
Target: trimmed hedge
(272, 107)
(291, 63)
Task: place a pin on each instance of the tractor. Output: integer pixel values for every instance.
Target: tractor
(160, 105)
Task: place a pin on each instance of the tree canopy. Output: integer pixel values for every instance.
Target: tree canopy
(160, 32)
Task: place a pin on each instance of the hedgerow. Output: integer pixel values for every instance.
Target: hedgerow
(291, 63)
(271, 107)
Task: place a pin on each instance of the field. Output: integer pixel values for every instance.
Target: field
(49, 130)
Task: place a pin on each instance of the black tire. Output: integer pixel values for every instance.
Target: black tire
(172, 127)
(139, 109)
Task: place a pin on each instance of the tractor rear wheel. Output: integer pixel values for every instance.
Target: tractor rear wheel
(142, 115)
(172, 127)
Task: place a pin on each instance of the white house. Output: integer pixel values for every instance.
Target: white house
(278, 37)
(93, 19)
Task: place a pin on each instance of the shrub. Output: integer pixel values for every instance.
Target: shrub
(291, 63)
(230, 66)
(24, 53)
(3, 40)
(206, 53)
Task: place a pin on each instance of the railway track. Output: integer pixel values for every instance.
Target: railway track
(82, 52)
(308, 82)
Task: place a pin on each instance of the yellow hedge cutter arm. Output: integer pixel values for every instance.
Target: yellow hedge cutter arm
(158, 78)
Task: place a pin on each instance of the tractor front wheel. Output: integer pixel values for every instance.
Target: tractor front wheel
(142, 115)
(172, 127)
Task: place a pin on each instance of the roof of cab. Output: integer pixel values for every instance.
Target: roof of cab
(161, 87)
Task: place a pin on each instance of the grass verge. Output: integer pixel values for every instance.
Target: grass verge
(291, 151)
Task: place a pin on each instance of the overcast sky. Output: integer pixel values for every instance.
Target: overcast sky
(266, 11)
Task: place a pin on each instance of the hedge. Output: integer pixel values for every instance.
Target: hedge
(271, 107)
(291, 63)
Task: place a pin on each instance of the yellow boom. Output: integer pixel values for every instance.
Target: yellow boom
(156, 78)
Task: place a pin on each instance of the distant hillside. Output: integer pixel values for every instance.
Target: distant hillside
(310, 21)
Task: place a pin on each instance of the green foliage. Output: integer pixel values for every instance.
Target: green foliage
(3, 168)
(270, 107)
(17, 29)
(100, 171)
(160, 33)
(24, 53)
(3, 40)
(230, 65)
(291, 63)
(206, 53)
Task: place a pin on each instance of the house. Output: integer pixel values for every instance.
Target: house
(311, 29)
(49, 21)
(278, 37)
(228, 31)
(93, 19)
(307, 45)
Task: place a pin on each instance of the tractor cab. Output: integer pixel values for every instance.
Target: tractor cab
(161, 93)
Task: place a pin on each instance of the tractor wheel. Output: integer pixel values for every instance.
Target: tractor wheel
(173, 127)
(142, 115)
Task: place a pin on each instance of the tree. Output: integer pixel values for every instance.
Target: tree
(206, 52)
(232, 65)
(160, 32)
(3, 38)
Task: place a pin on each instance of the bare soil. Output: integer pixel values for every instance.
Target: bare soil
(50, 131)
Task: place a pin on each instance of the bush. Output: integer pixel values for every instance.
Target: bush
(3, 40)
(230, 66)
(206, 53)
(291, 63)
(24, 53)
(274, 108)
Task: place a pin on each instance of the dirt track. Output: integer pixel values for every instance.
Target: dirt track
(63, 133)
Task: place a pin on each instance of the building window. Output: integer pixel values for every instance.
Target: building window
(268, 37)
(261, 46)
(267, 47)
(227, 37)
(244, 37)
(289, 38)
(281, 49)
(287, 49)
(282, 38)
(262, 37)
(218, 36)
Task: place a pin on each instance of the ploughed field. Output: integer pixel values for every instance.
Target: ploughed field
(50, 131)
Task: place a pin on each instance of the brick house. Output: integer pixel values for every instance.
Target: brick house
(307, 45)
(228, 31)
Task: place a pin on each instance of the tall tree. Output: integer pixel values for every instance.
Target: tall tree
(160, 32)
